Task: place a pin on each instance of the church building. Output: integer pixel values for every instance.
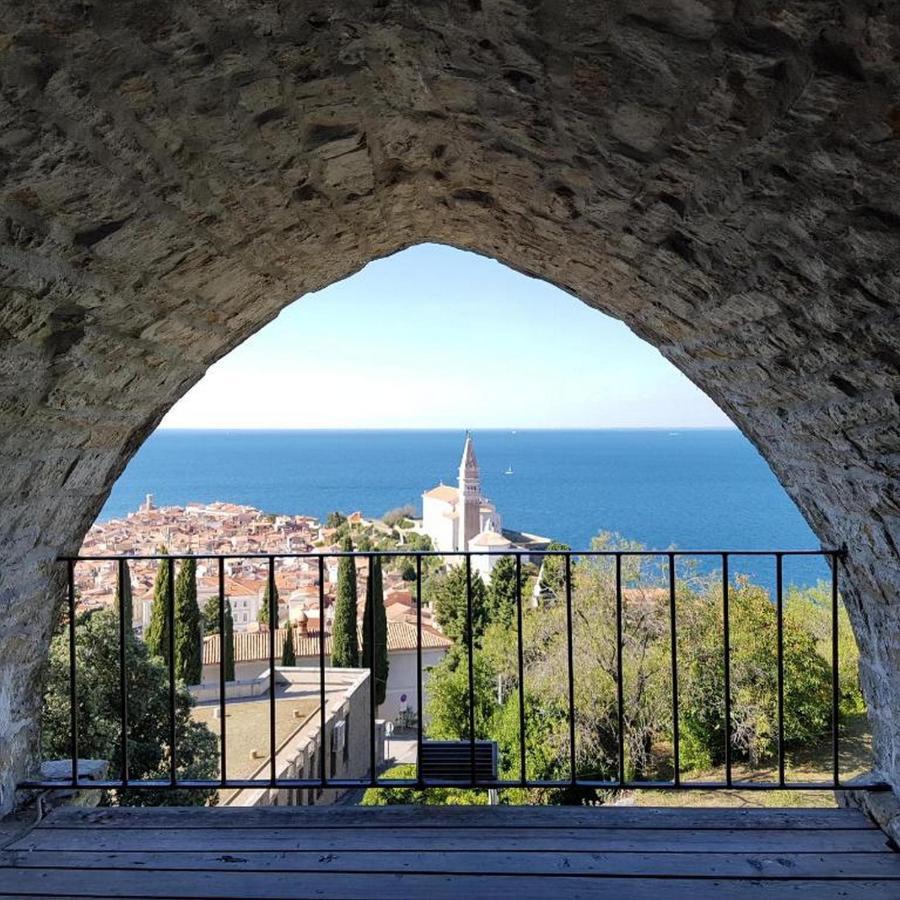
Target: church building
(461, 518)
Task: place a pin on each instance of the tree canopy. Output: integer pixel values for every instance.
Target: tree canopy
(374, 649)
(99, 737)
(188, 637)
(344, 639)
(288, 654)
(157, 636)
(447, 593)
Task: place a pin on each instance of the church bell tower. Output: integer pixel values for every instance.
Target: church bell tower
(469, 496)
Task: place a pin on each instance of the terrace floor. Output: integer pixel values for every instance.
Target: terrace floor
(438, 852)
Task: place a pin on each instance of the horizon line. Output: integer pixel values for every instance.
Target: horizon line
(462, 428)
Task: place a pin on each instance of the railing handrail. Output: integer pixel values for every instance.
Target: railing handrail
(327, 554)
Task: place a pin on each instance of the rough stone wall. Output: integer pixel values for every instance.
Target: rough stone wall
(722, 175)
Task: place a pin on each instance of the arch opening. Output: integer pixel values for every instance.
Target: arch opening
(721, 181)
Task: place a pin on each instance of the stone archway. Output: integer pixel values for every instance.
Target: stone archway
(719, 174)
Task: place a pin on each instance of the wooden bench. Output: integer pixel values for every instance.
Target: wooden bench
(452, 761)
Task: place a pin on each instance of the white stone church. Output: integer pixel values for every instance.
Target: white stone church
(461, 518)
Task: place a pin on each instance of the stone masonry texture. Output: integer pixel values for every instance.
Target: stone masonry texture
(721, 175)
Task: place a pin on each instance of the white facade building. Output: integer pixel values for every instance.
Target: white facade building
(453, 516)
(461, 518)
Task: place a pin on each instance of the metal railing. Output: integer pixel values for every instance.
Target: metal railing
(835, 559)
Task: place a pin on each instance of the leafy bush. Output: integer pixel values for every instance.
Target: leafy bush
(99, 736)
(391, 796)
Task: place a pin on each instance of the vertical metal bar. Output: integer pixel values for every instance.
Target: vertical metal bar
(673, 637)
(123, 675)
(779, 613)
(170, 615)
(222, 714)
(573, 775)
(273, 626)
(471, 646)
(73, 685)
(373, 777)
(521, 654)
(419, 685)
(835, 675)
(322, 716)
(726, 644)
(620, 673)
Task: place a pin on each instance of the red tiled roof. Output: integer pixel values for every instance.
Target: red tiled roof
(254, 646)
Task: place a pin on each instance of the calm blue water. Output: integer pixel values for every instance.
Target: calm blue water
(690, 489)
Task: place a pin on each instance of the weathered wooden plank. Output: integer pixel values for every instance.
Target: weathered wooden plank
(387, 839)
(671, 865)
(119, 883)
(470, 816)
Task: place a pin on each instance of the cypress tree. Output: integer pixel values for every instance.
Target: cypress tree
(375, 645)
(209, 616)
(124, 603)
(227, 645)
(344, 639)
(188, 639)
(158, 630)
(288, 656)
(263, 615)
(502, 592)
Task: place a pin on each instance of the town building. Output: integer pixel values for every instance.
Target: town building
(461, 518)
(302, 746)
(251, 657)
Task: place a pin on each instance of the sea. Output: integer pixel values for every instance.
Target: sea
(692, 489)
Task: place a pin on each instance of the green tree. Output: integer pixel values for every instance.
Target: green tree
(553, 571)
(448, 595)
(449, 701)
(288, 654)
(188, 638)
(262, 615)
(99, 736)
(209, 616)
(503, 592)
(227, 646)
(157, 636)
(344, 638)
(335, 519)
(753, 658)
(374, 649)
(124, 602)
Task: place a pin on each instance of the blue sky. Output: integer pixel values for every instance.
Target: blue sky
(435, 337)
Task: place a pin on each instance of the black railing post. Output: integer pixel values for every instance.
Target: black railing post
(726, 644)
(835, 675)
(673, 636)
(222, 714)
(123, 675)
(779, 626)
(73, 684)
(322, 715)
(419, 679)
(170, 615)
(471, 646)
(370, 594)
(521, 661)
(273, 626)
(573, 775)
(620, 671)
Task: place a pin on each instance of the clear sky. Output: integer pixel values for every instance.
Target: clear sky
(438, 338)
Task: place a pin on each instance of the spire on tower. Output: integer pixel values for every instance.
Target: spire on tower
(468, 465)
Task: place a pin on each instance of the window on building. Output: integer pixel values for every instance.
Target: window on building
(347, 739)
